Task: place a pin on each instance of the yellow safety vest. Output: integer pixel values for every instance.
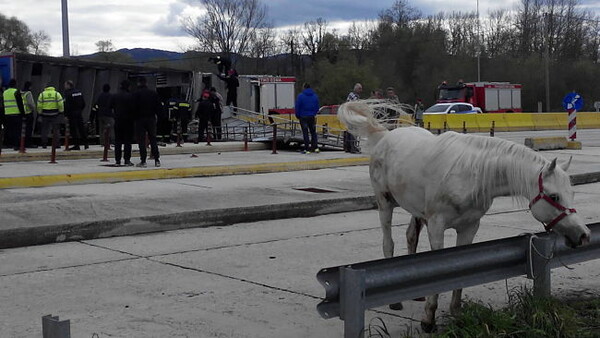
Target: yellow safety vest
(25, 95)
(50, 102)
(10, 102)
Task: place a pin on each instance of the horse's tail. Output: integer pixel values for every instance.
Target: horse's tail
(359, 118)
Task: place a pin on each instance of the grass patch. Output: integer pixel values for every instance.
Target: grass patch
(526, 316)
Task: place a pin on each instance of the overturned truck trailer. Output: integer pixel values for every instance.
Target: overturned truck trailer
(88, 75)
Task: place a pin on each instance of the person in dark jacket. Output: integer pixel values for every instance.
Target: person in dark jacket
(223, 63)
(103, 112)
(307, 106)
(122, 105)
(147, 106)
(232, 82)
(205, 110)
(74, 105)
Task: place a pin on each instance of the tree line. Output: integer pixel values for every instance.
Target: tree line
(413, 53)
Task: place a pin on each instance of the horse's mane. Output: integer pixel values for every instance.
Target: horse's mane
(487, 158)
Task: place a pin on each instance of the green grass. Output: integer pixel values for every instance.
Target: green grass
(526, 316)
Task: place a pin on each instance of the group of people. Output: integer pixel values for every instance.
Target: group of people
(123, 116)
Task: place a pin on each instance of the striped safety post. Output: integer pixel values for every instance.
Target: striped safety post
(67, 134)
(572, 124)
(274, 144)
(55, 137)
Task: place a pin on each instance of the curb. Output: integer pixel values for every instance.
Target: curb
(21, 237)
(154, 174)
(91, 154)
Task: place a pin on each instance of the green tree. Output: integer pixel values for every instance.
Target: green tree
(15, 36)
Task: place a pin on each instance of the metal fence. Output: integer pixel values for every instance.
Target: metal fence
(352, 289)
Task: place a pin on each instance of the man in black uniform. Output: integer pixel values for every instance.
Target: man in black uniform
(147, 106)
(223, 63)
(122, 104)
(232, 82)
(74, 104)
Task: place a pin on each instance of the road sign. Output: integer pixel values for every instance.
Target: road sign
(573, 101)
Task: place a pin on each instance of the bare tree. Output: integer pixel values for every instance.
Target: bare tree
(228, 25)
(105, 46)
(262, 42)
(40, 42)
(312, 36)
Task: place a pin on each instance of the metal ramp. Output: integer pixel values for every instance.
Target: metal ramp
(256, 127)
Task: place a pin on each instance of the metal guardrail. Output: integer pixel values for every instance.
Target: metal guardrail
(352, 289)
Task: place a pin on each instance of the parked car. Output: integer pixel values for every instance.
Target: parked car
(453, 108)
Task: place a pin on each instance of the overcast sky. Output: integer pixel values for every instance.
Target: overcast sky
(156, 23)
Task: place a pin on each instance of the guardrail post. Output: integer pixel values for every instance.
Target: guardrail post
(352, 301)
(54, 328)
(539, 254)
(445, 126)
(464, 127)
(245, 138)
(428, 125)
(492, 128)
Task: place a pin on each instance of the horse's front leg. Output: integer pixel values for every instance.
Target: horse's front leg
(435, 230)
(464, 236)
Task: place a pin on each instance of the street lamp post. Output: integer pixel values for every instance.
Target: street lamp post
(65, 28)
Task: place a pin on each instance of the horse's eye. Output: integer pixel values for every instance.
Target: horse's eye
(554, 197)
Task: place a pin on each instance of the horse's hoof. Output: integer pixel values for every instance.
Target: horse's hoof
(428, 327)
(396, 306)
(420, 299)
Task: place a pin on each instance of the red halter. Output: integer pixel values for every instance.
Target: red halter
(541, 195)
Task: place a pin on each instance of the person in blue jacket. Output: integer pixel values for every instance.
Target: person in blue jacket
(307, 106)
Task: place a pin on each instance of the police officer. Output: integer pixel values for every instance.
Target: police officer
(51, 107)
(14, 113)
(74, 104)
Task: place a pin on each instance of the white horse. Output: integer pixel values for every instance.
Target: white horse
(450, 181)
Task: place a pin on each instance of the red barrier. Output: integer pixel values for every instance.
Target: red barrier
(23, 132)
(274, 138)
(67, 134)
(55, 137)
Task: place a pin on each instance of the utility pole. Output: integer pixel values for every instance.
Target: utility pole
(547, 60)
(478, 45)
(65, 29)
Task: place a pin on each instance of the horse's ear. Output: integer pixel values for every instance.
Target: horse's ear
(565, 166)
(552, 165)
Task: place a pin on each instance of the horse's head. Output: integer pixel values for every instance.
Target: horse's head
(553, 205)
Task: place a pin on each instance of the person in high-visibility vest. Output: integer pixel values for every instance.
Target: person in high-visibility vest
(14, 112)
(51, 107)
(30, 113)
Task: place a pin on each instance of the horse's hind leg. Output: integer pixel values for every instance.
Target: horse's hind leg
(386, 206)
(385, 218)
(435, 230)
(412, 233)
(463, 237)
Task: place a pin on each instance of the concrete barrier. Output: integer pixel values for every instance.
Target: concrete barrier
(546, 143)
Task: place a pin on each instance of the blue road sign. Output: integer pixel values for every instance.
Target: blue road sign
(573, 101)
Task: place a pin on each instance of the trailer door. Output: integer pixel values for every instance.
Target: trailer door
(516, 98)
(505, 98)
(491, 99)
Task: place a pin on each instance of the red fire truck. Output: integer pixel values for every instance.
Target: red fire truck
(491, 97)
